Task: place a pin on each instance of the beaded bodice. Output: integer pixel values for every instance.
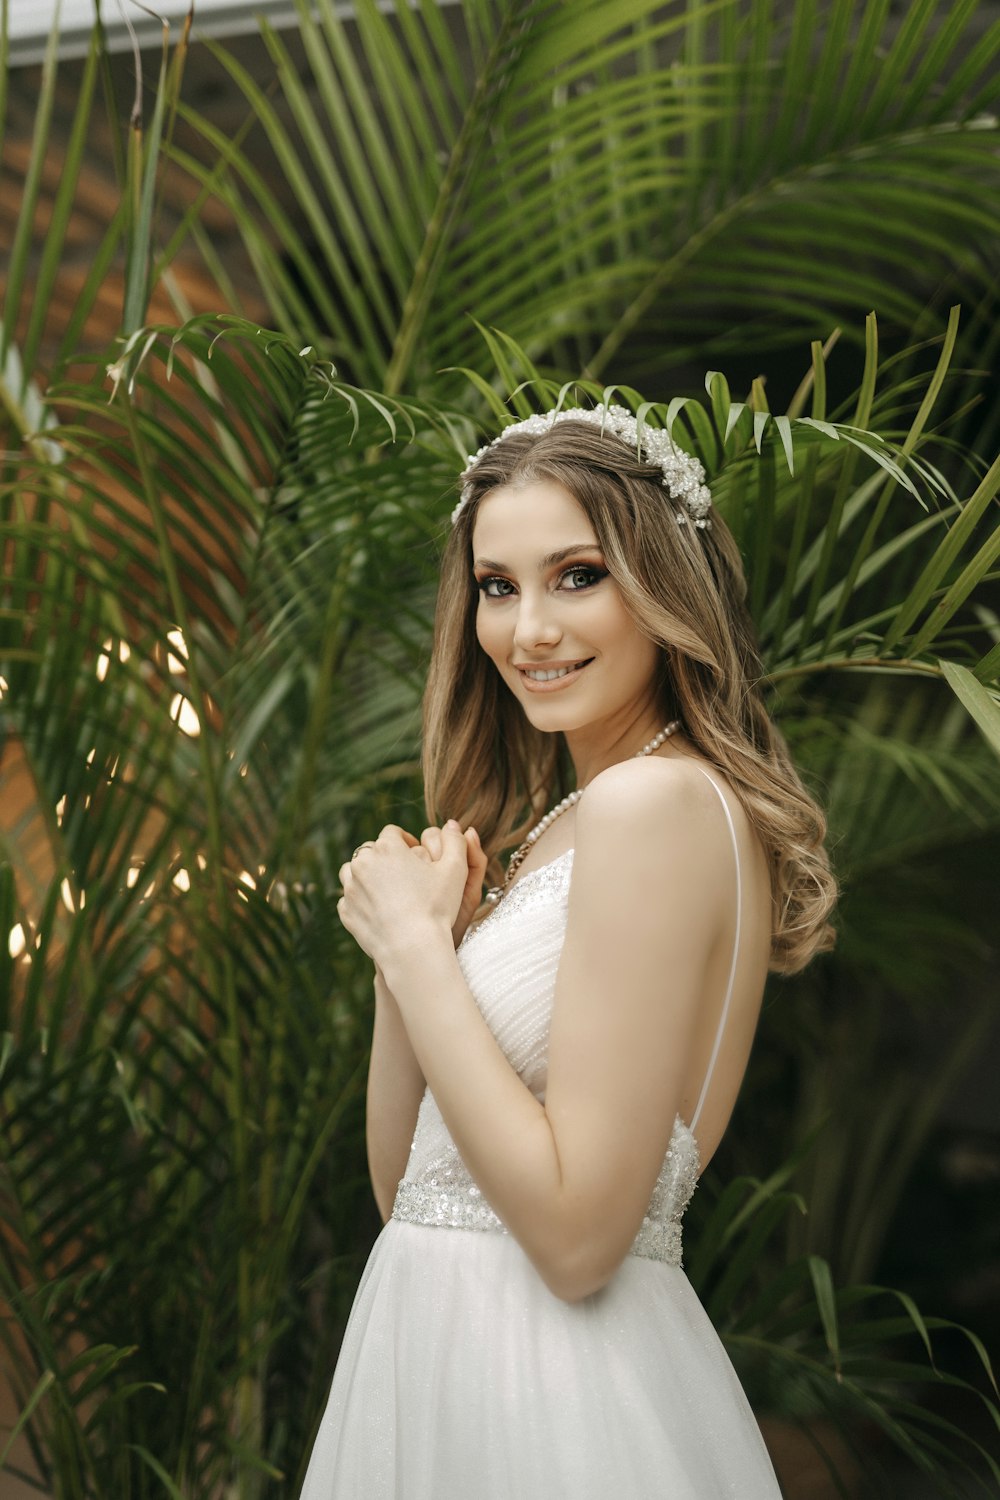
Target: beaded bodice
(509, 962)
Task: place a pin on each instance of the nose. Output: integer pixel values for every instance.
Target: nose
(537, 624)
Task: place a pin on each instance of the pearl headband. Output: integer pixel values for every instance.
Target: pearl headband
(683, 475)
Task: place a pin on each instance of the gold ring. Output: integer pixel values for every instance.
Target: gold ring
(368, 844)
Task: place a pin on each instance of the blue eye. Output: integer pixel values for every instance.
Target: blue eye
(496, 588)
(583, 576)
(571, 580)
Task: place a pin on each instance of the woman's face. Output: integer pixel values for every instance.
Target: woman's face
(551, 617)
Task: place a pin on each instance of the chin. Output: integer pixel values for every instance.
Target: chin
(557, 719)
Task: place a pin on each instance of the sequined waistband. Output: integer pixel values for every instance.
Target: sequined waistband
(435, 1204)
(447, 1206)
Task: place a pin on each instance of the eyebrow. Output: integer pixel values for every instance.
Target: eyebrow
(549, 561)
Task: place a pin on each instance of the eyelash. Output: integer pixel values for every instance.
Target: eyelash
(595, 576)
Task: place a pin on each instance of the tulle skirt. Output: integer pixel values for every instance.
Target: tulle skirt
(461, 1377)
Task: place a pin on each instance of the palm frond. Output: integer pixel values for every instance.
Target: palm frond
(621, 174)
(805, 1347)
(205, 700)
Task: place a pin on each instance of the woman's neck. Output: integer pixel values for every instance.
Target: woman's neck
(596, 747)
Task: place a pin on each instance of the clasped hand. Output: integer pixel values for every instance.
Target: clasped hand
(398, 883)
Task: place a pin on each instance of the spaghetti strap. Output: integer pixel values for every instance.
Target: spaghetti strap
(732, 967)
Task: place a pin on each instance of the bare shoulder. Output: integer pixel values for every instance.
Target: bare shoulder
(652, 838)
(648, 799)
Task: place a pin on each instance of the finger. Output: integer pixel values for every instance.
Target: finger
(393, 835)
(476, 853)
(453, 841)
(432, 842)
(472, 850)
(344, 874)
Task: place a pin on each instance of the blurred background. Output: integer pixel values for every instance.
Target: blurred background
(264, 283)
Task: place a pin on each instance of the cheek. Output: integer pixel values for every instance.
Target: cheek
(490, 633)
(638, 648)
(612, 622)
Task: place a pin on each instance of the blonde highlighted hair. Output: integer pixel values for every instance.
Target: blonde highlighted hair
(485, 764)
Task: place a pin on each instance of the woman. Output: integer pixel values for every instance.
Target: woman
(524, 1327)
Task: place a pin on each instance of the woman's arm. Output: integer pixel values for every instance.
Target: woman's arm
(651, 898)
(395, 1079)
(395, 1088)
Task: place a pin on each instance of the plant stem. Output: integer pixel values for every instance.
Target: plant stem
(856, 664)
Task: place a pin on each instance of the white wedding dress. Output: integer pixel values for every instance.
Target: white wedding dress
(462, 1377)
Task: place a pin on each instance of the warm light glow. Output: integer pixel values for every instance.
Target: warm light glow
(90, 756)
(248, 879)
(103, 662)
(61, 809)
(69, 902)
(177, 663)
(16, 942)
(183, 713)
(132, 876)
(182, 880)
(201, 861)
(4, 686)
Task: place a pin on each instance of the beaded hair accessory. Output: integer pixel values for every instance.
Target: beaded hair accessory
(683, 475)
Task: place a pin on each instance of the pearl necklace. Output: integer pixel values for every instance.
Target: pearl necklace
(523, 850)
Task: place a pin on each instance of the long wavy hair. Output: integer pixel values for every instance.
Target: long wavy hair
(684, 586)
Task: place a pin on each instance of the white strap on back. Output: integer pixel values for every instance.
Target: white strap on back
(732, 967)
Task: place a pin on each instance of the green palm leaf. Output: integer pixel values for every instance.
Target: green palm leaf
(621, 175)
(805, 1347)
(243, 541)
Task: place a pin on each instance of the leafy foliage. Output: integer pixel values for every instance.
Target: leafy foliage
(845, 1353)
(690, 179)
(184, 994)
(216, 606)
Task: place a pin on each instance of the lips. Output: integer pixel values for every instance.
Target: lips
(552, 675)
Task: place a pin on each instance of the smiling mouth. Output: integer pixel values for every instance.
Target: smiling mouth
(553, 674)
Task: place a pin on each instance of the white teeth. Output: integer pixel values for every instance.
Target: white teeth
(539, 675)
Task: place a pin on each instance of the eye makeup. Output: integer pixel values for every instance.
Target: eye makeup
(591, 573)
